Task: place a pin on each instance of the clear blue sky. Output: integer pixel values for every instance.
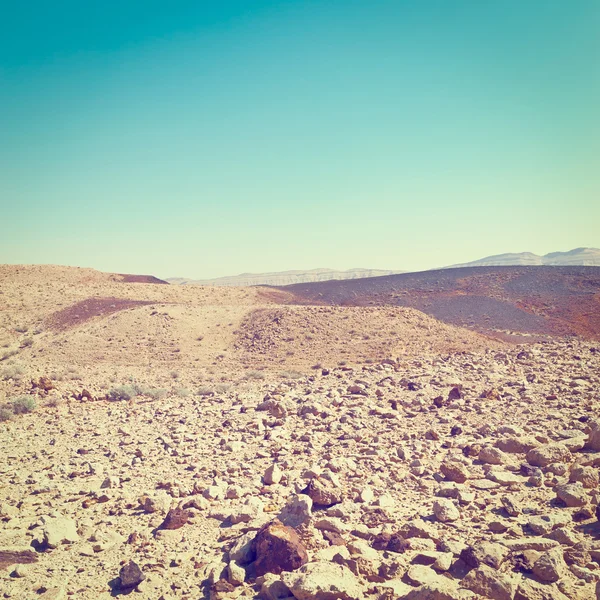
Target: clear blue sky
(211, 138)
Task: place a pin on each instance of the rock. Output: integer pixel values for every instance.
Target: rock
(175, 519)
(587, 476)
(278, 548)
(391, 542)
(130, 576)
(445, 510)
(550, 566)
(366, 495)
(236, 574)
(153, 504)
(489, 583)
(511, 506)
(323, 581)
(454, 470)
(273, 474)
(242, 551)
(532, 590)
(111, 483)
(59, 530)
(530, 543)
(297, 511)
(572, 494)
(546, 454)
(323, 493)
(272, 588)
(593, 441)
(494, 456)
(11, 555)
(485, 553)
(517, 444)
(544, 524)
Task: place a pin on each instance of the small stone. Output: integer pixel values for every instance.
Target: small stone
(366, 495)
(572, 494)
(130, 576)
(489, 583)
(454, 470)
(445, 510)
(59, 530)
(550, 566)
(175, 519)
(546, 454)
(297, 511)
(323, 493)
(273, 474)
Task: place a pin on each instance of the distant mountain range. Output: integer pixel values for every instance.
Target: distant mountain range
(283, 277)
(578, 257)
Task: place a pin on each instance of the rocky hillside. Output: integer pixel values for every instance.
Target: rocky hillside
(283, 278)
(467, 476)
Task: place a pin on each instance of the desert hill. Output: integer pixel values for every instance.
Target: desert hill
(283, 277)
(589, 257)
(535, 300)
(165, 439)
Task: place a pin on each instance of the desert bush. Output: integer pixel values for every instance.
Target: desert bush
(23, 404)
(174, 374)
(21, 329)
(5, 414)
(221, 388)
(12, 372)
(27, 342)
(182, 392)
(124, 392)
(154, 393)
(8, 354)
(205, 391)
(253, 375)
(292, 374)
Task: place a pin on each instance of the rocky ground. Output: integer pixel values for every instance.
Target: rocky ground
(432, 475)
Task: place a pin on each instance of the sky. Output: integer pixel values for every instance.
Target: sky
(202, 139)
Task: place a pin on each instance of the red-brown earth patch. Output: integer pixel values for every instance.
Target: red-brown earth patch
(88, 309)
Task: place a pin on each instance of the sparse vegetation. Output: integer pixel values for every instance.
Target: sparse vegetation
(154, 393)
(253, 375)
(23, 404)
(8, 354)
(5, 414)
(182, 392)
(14, 372)
(27, 342)
(205, 391)
(124, 392)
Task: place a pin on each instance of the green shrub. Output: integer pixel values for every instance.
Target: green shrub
(182, 392)
(5, 414)
(12, 372)
(154, 393)
(253, 375)
(23, 404)
(124, 392)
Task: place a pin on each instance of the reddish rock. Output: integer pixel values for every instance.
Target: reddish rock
(175, 519)
(278, 548)
(323, 493)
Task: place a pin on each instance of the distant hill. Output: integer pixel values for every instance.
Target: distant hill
(546, 300)
(579, 257)
(284, 277)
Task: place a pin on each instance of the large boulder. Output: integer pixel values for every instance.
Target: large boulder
(278, 548)
(546, 454)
